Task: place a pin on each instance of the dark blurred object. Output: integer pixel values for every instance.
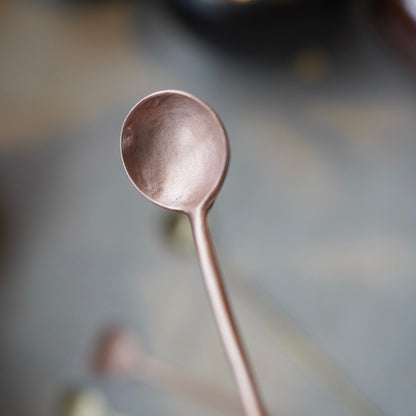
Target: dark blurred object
(5, 239)
(216, 9)
(397, 21)
(267, 30)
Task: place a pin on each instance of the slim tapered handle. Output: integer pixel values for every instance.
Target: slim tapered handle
(224, 316)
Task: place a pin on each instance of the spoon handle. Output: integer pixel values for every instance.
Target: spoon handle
(224, 316)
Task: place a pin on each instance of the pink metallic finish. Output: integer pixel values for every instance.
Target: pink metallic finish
(175, 151)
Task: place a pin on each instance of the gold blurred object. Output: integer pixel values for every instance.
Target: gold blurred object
(311, 65)
(84, 403)
(178, 232)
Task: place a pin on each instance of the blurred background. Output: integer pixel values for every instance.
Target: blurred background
(315, 226)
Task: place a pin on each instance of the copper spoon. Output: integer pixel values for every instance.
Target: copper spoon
(175, 150)
(118, 355)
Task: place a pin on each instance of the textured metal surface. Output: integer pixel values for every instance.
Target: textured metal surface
(176, 152)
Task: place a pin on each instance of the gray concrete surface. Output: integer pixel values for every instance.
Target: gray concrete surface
(315, 226)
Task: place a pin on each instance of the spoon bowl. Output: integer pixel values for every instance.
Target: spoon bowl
(175, 150)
